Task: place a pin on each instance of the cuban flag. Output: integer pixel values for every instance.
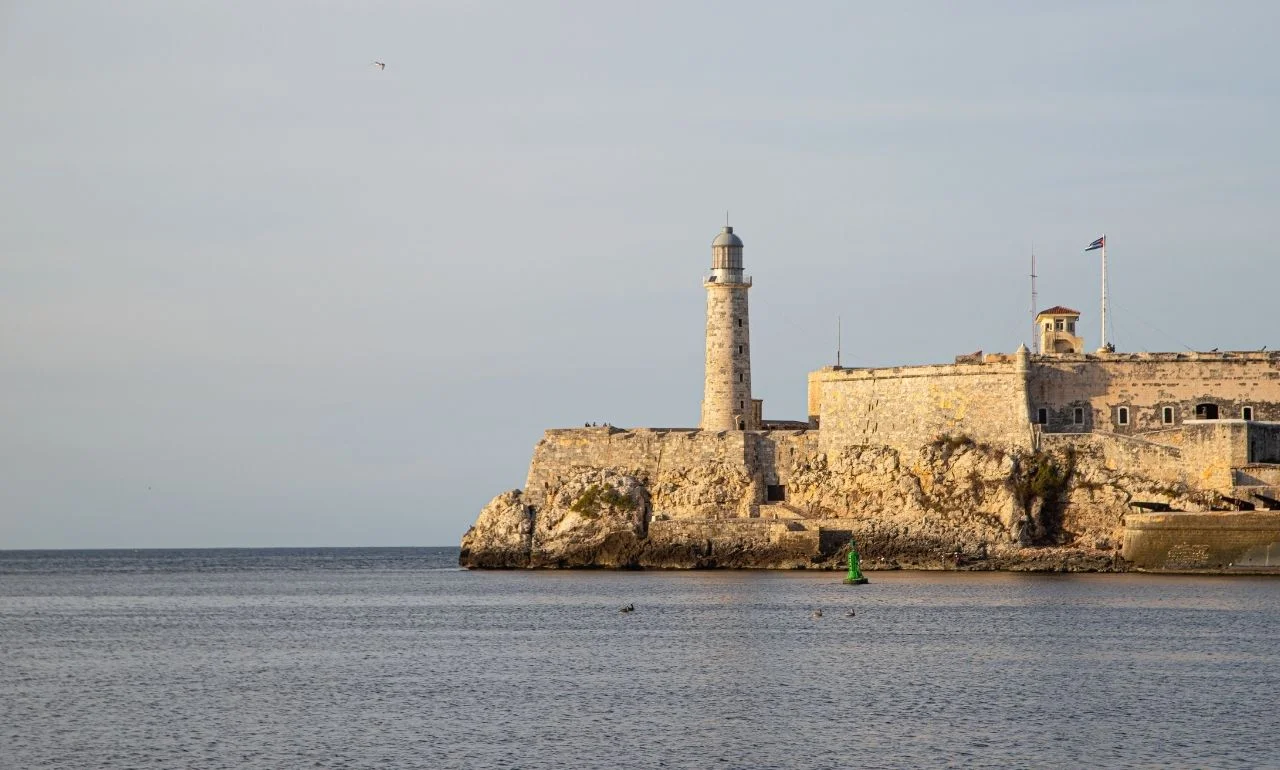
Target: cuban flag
(1101, 243)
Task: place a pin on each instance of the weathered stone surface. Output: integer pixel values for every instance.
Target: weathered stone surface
(950, 504)
(502, 535)
(597, 518)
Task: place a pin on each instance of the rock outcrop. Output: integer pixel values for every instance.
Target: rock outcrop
(950, 504)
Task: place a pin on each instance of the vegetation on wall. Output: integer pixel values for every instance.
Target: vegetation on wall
(1040, 484)
(947, 445)
(596, 497)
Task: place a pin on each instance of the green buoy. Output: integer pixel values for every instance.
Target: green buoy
(855, 577)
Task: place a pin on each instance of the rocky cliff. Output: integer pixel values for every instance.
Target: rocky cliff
(695, 501)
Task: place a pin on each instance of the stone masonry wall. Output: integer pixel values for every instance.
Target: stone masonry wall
(773, 452)
(1192, 541)
(907, 407)
(1159, 462)
(1264, 442)
(692, 473)
(1146, 383)
(1199, 455)
(653, 455)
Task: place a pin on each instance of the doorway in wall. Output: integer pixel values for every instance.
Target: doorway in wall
(1206, 411)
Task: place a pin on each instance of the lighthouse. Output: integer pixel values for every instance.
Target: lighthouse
(726, 392)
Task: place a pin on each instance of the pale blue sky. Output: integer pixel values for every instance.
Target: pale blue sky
(255, 291)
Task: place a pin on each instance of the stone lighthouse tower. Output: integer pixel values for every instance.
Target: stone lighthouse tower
(726, 392)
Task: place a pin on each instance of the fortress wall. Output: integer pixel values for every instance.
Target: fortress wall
(907, 407)
(1211, 448)
(1258, 476)
(766, 456)
(776, 452)
(1158, 462)
(1148, 382)
(680, 531)
(729, 537)
(1200, 454)
(1264, 442)
(1191, 541)
(643, 453)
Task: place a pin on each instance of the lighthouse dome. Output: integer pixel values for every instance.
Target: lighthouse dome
(727, 238)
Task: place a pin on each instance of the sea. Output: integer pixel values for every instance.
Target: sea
(395, 658)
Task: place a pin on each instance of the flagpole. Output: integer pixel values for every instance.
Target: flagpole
(1103, 349)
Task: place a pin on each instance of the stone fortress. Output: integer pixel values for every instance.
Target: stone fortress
(1060, 459)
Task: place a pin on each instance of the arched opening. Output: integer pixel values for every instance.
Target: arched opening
(1206, 411)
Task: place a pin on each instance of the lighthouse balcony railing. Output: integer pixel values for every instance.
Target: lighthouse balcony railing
(746, 280)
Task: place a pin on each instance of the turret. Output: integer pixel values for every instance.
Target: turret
(726, 393)
(1057, 327)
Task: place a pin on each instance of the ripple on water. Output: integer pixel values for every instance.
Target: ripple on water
(389, 658)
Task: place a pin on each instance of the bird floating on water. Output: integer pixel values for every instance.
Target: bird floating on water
(628, 608)
(380, 65)
(850, 613)
(817, 613)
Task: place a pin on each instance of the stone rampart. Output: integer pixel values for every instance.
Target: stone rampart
(909, 406)
(651, 455)
(1158, 462)
(691, 473)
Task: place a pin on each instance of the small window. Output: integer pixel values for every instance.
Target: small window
(1071, 327)
(1079, 416)
(1057, 325)
(1048, 327)
(1122, 415)
(775, 493)
(1246, 413)
(1042, 416)
(739, 376)
(742, 405)
(739, 323)
(1166, 415)
(1206, 411)
(739, 348)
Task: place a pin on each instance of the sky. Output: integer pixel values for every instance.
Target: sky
(255, 291)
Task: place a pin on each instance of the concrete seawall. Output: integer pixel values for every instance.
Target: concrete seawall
(1216, 541)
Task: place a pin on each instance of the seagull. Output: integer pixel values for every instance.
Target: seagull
(380, 65)
(817, 613)
(628, 608)
(851, 613)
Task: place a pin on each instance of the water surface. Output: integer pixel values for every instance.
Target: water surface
(379, 658)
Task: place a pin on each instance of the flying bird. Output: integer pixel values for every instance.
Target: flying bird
(380, 65)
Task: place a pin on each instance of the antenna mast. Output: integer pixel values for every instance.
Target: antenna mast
(1035, 340)
(838, 341)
